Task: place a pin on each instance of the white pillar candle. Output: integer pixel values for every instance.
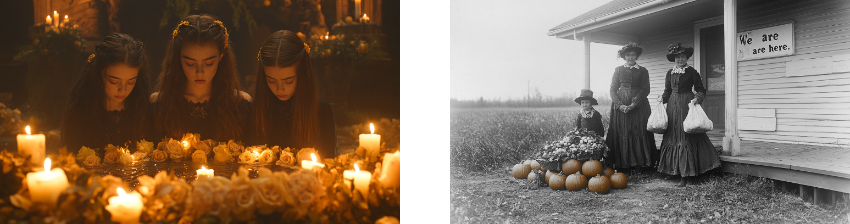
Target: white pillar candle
(65, 21)
(307, 164)
(206, 172)
(391, 170)
(356, 7)
(31, 145)
(56, 18)
(371, 142)
(45, 186)
(48, 20)
(125, 208)
(361, 179)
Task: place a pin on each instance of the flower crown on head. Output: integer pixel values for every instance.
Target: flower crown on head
(217, 22)
(306, 48)
(182, 23)
(90, 57)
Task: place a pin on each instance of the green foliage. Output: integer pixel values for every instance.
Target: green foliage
(176, 10)
(349, 45)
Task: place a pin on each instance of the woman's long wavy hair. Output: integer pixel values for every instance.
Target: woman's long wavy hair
(87, 105)
(224, 99)
(283, 49)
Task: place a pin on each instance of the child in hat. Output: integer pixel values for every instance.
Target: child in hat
(588, 118)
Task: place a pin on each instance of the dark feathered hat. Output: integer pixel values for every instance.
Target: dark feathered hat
(675, 49)
(630, 47)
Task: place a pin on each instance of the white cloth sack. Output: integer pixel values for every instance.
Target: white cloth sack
(658, 119)
(697, 122)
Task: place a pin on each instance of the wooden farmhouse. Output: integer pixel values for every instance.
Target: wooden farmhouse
(777, 73)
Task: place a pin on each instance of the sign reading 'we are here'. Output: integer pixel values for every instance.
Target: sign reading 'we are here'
(766, 42)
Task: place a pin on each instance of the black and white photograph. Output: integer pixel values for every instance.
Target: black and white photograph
(650, 111)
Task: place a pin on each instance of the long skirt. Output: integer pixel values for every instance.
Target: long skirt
(631, 145)
(684, 154)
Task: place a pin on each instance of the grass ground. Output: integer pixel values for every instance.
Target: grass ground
(485, 143)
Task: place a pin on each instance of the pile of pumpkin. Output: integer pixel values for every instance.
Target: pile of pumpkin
(601, 180)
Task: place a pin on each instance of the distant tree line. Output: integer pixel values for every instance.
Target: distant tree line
(536, 100)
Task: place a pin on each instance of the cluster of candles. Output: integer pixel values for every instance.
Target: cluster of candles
(51, 20)
(364, 19)
(45, 186)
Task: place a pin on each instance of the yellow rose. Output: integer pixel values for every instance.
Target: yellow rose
(234, 148)
(179, 193)
(110, 157)
(222, 154)
(85, 152)
(387, 220)
(140, 156)
(125, 158)
(159, 155)
(309, 190)
(248, 157)
(304, 154)
(174, 149)
(200, 199)
(271, 195)
(266, 157)
(286, 159)
(242, 196)
(202, 145)
(91, 160)
(199, 156)
(110, 147)
(144, 146)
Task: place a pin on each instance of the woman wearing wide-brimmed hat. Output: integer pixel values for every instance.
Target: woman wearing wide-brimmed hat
(630, 143)
(684, 154)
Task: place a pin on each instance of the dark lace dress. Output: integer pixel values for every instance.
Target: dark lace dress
(115, 128)
(281, 134)
(199, 119)
(630, 143)
(684, 154)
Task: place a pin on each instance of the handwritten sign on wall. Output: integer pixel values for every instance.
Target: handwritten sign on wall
(766, 42)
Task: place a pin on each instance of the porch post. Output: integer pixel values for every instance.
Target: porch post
(586, 37)
(731, 142)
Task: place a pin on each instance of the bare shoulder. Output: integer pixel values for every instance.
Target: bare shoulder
(154, 97)
(245, 96)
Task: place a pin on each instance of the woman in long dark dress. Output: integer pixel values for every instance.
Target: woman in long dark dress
(631, 145)
(199, 89)
(287, 111)
(109, 104)
(684, 154)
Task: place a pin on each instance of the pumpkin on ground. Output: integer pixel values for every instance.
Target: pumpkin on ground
(556, 181)
(521, 170)
(532, 176)
(599, 184)
(571, 166)
(607, 172)
(576, 181)
(527, 161)
(619, 180)
(549, 174)
(534, 165)
(591, 168)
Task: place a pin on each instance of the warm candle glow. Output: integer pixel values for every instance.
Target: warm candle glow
(48, 20)
(372, 127)
(185, 144)
(121, 192)
(28, 130)
(356, 168)
(313, 156)
(47, 164)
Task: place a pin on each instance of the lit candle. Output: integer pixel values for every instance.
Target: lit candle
(356, 7)
(31, 145)
(360, 178)
(390, 172)
(364, 19)
(206, 172)
(371, 142)
(48, 20)
(307, 164)
(326, 35)
(45, 186)
(125, 208)
(56, 16)
(65, 21)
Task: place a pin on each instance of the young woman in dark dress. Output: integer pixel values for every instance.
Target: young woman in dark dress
(199, 90)
(287, 111)
(630, 143)
(588, 118)
(109, 104)
(684, 154)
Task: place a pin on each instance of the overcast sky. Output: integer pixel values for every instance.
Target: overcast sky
(498, 47)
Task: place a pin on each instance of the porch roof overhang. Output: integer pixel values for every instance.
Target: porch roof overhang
(622, 21)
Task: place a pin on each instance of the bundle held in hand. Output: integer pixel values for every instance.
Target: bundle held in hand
(697, 122)
(657, 120)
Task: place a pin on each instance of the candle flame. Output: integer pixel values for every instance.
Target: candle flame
(47, 164)
(372, 127)
(356, 168)
(203, 168)
(66, 16)
(28, 130)
(364, 15)
(185, 144)
(313, 156)
(121, 192)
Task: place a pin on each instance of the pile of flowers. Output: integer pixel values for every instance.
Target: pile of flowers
(319, 195)
(578, 144)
